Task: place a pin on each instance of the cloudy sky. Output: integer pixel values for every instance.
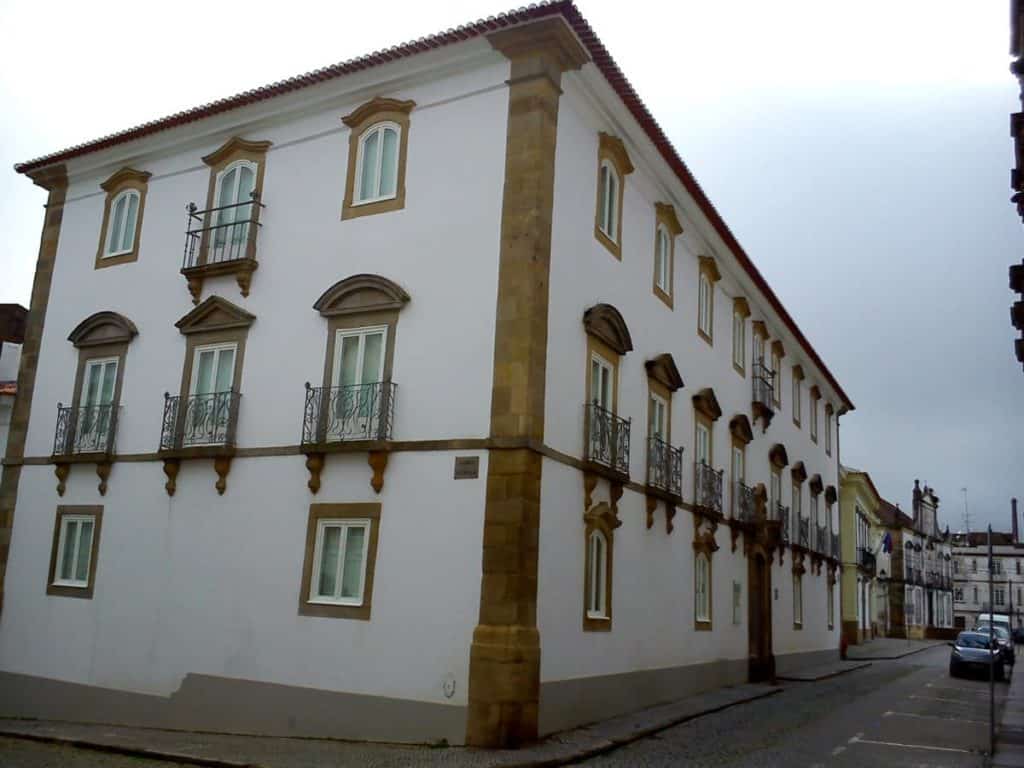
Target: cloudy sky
(860, 152)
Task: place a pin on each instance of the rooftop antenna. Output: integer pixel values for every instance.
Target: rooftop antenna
(967, 515)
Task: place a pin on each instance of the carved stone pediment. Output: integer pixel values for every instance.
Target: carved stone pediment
(663, 369)
(831, 495)
(103, 328)
(704, 535)
(778, 456)
(603, 321)
(815, 484)
(359, 294)
(799, 472)
(215, 314)
(706, 403)
(739, 426)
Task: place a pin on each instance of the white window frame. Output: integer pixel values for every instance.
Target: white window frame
(797, 415)
(702, 588)
(62, 543)
(828, 433)
(597, 568)
(798, 600)
(739, 340)
(376, 128)
(814, 419)
(777, 382)
(831, 606)
(111, 233)
(663, 259)
(222, 213)
(608, 220)
(212, 348)
(703, 428)
(705, 288)
(361, 333)
(314, 581)
(659, 404)
(603, 366)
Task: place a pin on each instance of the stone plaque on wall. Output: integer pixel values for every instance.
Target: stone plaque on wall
(467, 467)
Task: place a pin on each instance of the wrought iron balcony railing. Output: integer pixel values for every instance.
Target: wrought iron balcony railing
(606, 438)
(764, 385)
(199, 420)
(804, 531)
(781, 514)
(742, 502)
(708, 487)
(222, 234)
(866, 559)
(664, 466)
(85, 429)
(355, 412)
(835, 545)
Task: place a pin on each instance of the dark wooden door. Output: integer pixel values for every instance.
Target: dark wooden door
(759, 613)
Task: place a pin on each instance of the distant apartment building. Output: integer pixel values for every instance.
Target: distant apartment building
(12, 334)
(862, 538)
(971, 573)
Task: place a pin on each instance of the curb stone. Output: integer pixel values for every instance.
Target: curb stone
(854, 666)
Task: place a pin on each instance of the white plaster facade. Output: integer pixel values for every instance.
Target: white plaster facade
(206, 585)
(971, 577)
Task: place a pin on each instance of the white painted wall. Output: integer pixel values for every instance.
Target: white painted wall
(653, 572)
(10, 356)
(201, 583)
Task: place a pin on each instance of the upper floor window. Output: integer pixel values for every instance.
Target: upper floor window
(709, 275)
(798, 601)
(702, 589)
(599, 530)
(232, 214)
(798, 375)
(778, 352)
(605, 435)
(613, 165)
(740, 313)
(378, 144)
(828, 429)
(597, 561)
(667, 228)
(122, 217)
(815, 397)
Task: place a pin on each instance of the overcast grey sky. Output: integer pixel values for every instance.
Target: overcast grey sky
(860, 152)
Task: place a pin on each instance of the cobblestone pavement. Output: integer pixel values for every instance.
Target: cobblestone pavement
(903, 713)
(16, 753)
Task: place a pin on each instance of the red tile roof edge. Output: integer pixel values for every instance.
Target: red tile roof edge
(602, 59)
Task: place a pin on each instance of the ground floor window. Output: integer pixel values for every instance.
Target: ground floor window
(831, 605)
(798, 601)
(74, 552)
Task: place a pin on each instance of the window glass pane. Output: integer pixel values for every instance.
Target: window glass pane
(330, 551)
(92, 385)
(204, 377)
(613, 205)
(389, 163)
(352, 573)
(128, 238)
(228, 185)
(109, 378)
(349, 360)
(373, 358)
(603, 197)
(225, 370)
(68, 553)
(368, 180)
(84, 552)
(116, 225)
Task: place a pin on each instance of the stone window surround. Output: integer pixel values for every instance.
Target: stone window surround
(778, 352)
(701, 625)
(352, 511)
(665, 217)
(599, 517)
(742, 308)
(121, 181)
(200, 328)
(101, 335)
(828, 429)
(611, 149)
(359, 121)
(708, 269)
(798, 376)
(609, 337)
(815, 396)
(86, 593)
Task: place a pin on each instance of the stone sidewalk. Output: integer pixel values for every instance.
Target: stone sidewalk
(222, 751)
(1010, 731)
(888, 648)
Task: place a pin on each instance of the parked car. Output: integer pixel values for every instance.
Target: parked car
(1003, 638)
(972, 653)
(999, 619)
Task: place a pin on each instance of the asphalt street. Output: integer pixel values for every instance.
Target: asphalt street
(906, 712)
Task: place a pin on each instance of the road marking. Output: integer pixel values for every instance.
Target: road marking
(935, 717)
(859, 740)
(838, 751)
(975, 691)
(853, 739)
(939, 698)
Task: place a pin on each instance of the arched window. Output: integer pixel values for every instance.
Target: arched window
(608, 202)
(702, 588)
(597, 571)
(124, 213)
(233, 196)
(377, 163)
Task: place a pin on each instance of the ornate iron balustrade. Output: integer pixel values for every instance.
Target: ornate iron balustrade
(199, 420)
(85, 429)
(835, 544)
(708, 487)
(353, 412)
(742, 502)
(606, 438)
(764, 385)
(222, 234)
(664, 466)
(782, 515)
(804, 531)
(866, 559)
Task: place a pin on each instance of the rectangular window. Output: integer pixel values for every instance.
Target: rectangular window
(796, 401)
(814, 419)
(828, 431)
(798, 601)
(738, 464)
(704, 298)
(213, 369)
(601, 382)
(74, 550)
(597, 567)
(777, 382)
(659, 418)
(703, 453)
(776, 490)
(959, 595)
(736, 594)
(831, 606)
(702, 596)
(739, 340)
(340, 561)
(359, 356)
(796, 501)
(758, 348)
